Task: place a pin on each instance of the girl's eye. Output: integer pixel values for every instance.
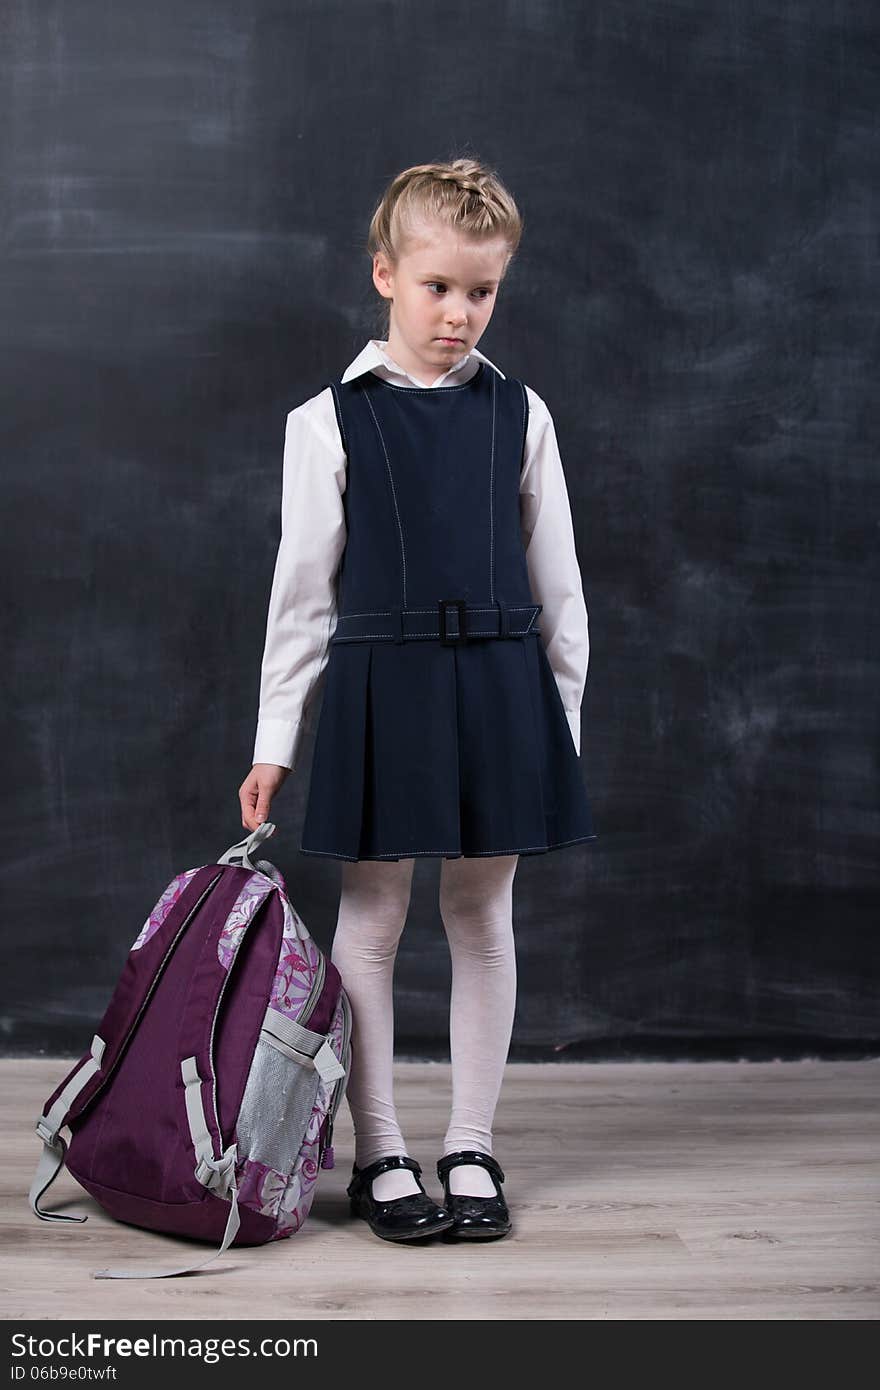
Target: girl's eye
(438, 284)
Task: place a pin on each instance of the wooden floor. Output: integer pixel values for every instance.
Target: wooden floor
(665, 1190)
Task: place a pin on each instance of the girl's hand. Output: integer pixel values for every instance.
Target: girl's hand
(256, 792)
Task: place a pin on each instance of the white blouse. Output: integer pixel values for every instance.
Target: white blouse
(302, 606)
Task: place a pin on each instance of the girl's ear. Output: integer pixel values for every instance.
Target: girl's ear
(383, 277)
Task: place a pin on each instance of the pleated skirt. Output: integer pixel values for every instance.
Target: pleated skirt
(447, 751)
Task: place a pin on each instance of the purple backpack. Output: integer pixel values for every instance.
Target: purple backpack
(205, 1105)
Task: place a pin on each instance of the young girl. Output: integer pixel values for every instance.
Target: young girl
(427, 583)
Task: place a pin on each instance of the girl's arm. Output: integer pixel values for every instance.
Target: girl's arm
(302, 605)
(554, 573)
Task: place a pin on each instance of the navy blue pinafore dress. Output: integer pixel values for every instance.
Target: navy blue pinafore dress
(442, 731)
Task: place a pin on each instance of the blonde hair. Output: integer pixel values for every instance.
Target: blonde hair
(463, 194)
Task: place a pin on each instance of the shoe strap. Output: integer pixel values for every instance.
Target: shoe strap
(468, 1156)
(384, 1165)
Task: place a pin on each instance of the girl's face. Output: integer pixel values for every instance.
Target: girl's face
(442, 293)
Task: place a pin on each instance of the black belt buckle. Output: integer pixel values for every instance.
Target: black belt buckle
(456, 638)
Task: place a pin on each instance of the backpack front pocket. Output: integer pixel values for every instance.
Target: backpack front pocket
(289, 1063)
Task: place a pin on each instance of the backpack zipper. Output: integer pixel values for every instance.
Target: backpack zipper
(308, 1007)
(148, 996)
(326, 1144)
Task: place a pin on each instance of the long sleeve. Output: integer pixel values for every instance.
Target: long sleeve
(302, 605)
(554, 573)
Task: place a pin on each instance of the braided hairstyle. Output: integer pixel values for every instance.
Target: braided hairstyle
(463, 194)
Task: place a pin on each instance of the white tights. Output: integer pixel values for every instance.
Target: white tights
(476, 906)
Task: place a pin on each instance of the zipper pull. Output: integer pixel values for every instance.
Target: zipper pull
(327, 1156)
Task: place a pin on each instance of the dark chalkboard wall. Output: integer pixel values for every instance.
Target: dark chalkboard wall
(186, 195)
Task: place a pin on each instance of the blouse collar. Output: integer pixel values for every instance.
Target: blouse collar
(375, 354)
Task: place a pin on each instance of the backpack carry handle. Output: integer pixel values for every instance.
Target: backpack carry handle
(241, 853)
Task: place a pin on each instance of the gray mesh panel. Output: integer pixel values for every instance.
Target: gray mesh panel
(275, 1108)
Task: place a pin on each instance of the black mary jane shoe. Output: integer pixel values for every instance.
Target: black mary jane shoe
(399, 1218)
(474, 1218)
